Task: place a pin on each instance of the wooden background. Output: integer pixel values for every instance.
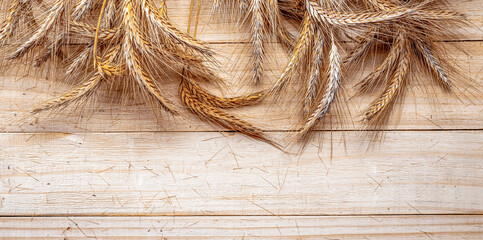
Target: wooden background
(120, 172)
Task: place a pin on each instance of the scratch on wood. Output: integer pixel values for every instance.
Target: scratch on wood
(30, 175)
(263, 208)
(413, 207)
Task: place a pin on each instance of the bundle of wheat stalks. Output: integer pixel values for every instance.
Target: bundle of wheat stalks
(133, 43)
(408, 28)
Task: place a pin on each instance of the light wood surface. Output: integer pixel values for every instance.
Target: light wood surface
(262, 227)
(183, 173)
(128, 172)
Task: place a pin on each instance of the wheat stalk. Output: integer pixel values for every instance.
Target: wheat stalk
(77, 93)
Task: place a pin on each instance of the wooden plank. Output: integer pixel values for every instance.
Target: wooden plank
(350, 227)
(208, 174)
(422, 109)
(212, 28)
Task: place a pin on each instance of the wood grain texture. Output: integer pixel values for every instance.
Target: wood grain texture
(423, 172)
(350, 227)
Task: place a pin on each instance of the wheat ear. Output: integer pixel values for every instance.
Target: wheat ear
(88, 31)
(258, 31)
(47, 52)
(284, 36)
(54, 14)
(381, 5)
(134, 39)
(77, 93)
(393, 89)
(88, 86)
(421, 13)
(29, 16)
(331, 88)
(159, 19)
(145, 81)
(361, 49)
(315, 70)
(386, 68)
(9, 24)
(220, 102)
(216, 115)
(111, 17)
(81, 8)
(332, 17)
(297, 56)
(79, 62)
(434, 65)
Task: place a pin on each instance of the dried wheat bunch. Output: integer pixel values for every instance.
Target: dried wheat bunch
(132, 43)
(409, 27)
(412, 45)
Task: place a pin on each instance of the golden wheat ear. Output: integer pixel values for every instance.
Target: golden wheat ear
(427, 55)
(265, 23)
(395, 84)
(413, 44)
(297, 59)
(334, 75)
(76, 94)
(221, 102)
(197, 103)
(14, 14)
